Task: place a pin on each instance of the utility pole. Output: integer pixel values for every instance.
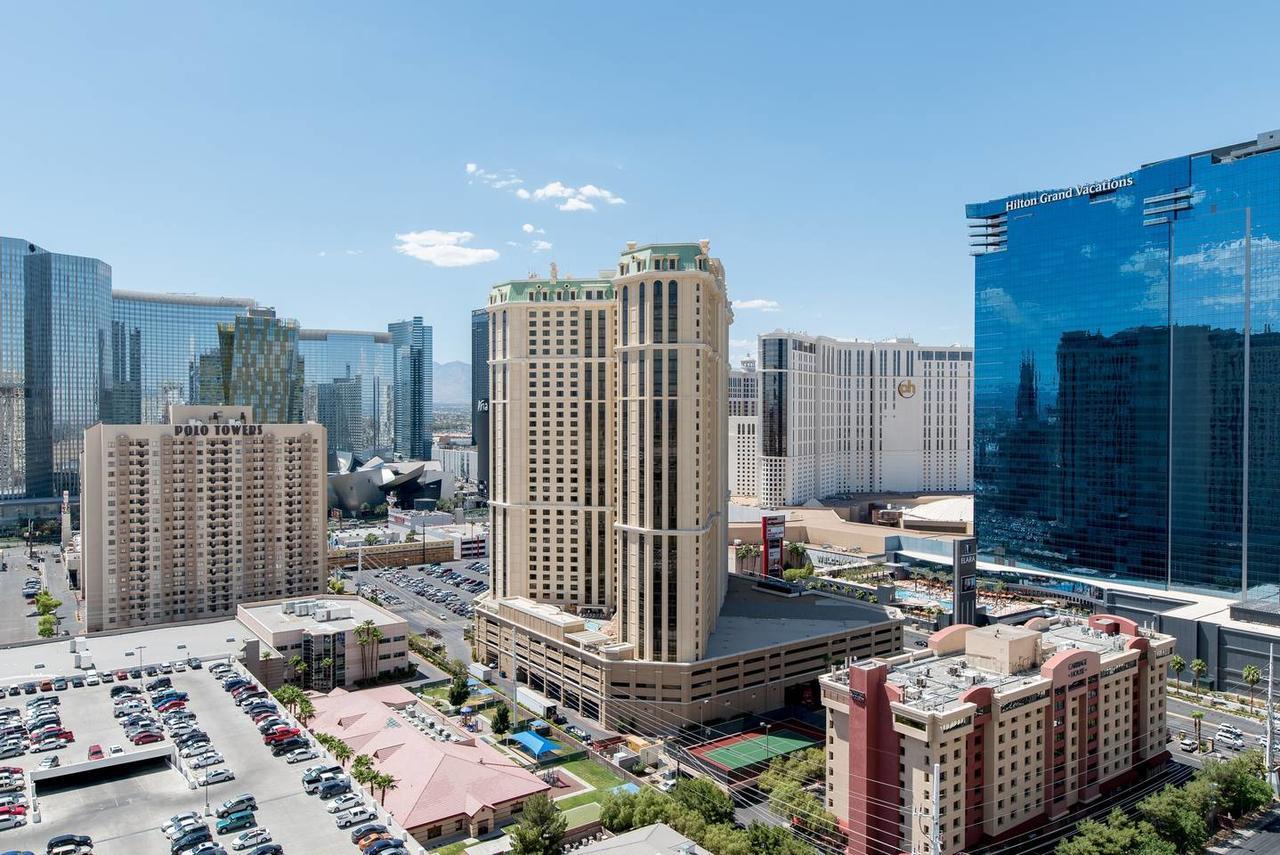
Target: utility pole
(1270, 761)
(935, 824)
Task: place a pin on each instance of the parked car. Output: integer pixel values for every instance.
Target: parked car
(204, 761)
(95, 752)
(11, 820)
(176, 820)
(301, 754)
(252, 837)
(267, 849)
(245, 801)
(216, 776)
(365, 830)
(70, 844)
(293, 743)
(346, 802)
(147, 737)
(355, 816)
(368, 840)
(236, 821)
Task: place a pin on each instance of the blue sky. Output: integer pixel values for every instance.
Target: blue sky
(277, 150)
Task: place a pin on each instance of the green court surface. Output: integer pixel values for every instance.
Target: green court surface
(759, 749)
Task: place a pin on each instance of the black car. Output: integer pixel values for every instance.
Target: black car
(117, 691)
(267, 849)
(162, 683)
(135, 673)
(191, 840)
(81, 841)
(151, 670)
(362, 831)
(77, 682)
(282, 748)
(190, 738)
(15, 690)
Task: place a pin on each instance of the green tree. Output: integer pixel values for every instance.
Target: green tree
(370, 539)
(502, 720)
(797, 573)
(459, 690)
(1199, 668)
(341, 752)
(337, 586)
(362, 771)
(297, 665)
(368, 636)
(796, 552)
(704, 797)
(305, 710)
(289, 695)
(1178, 664)
(541, 828)
(410, 537)
(1117, 835)
(1180, 815)
(384, 782)
(326, 665)
(1252, 676)
(46, 626)
(46, 603)
(1197, 717)
(1239, 784)
(775, 840)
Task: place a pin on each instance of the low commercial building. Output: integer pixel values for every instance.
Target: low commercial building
(1018, 724)
(330, 637)
(767, 650)
(656, 839)
(181, 522)
(447, 788)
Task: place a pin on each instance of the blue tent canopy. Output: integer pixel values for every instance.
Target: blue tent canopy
(534, 744)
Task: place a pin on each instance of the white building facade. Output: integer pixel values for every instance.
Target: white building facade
(843, 416)
(744, 425)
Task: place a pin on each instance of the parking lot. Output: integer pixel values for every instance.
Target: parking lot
(19, 619)
(407, 592)
(123, 810)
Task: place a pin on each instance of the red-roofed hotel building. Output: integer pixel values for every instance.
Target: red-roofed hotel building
(1023, 722)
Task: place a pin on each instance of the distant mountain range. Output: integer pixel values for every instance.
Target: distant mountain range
(452, 383)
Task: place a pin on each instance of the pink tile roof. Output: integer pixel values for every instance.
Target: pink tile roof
(437, 780)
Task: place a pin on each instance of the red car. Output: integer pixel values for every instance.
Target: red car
(279, 735)
(146, 737)
(122, 675)
(95, 752)
(263, 716)
(171, 706)
(16, 810)
(12, 770)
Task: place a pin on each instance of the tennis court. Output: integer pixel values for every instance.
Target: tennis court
(740, 757)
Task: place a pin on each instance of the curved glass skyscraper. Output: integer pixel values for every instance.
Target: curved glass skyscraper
(1127, 400)
(349, 388)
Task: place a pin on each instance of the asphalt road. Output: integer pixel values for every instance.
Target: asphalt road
(422, 614)
(19, 619)
(1266, 841)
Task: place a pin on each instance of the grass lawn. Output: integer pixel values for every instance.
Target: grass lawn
(590, 797)
(581, 815)
(596, 774)
(455, 847)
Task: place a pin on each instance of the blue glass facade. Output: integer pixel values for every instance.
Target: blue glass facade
(157, 342)
(349, 388)
(1127, 402)
(13, 370)
(68, 360)
(413, 372)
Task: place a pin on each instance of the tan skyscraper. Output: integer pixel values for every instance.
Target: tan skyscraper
(671, 493)
(551, 376)
(608, 480)
(185, 520)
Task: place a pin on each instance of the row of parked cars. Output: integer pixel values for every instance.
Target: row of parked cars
(38, 729)
(94, 678)
(189, 833)
(349, 810)
(13, 797)
(278, 734)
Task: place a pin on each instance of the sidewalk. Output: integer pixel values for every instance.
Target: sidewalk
(1241, 835)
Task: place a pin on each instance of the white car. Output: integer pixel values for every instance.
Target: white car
(216, 776)
(300, 754)
(355, 815)
(114, 750)
(250, 838)
(10, 820)
(193, 751)
(213, 758)
(180, 824)
(346, 802)
(92, 679)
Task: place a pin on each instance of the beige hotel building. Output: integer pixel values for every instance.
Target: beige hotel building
(1021, 723)
(185, 520)
(608, 484)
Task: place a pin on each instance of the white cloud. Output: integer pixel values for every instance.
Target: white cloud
(512, 243)
(575, 198)
(540, 245)
(758, 303)
(741, 343)
(443, 249)
(322, 253)
(531, 229)
(497, 180)
(355, 252)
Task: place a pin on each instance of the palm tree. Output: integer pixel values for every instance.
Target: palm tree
(1178, 664)
(364, 637)
(289, 695)
(296, 663)
(384, 782)
(797, 553)
(326, 665)
(337, 586)
(1252, 676)
(341, 751)
(306, 710)
(362, 770)
(1197, 716)
(1199, 668)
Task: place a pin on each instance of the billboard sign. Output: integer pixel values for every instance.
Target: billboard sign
(964, 562)
(773, 528)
